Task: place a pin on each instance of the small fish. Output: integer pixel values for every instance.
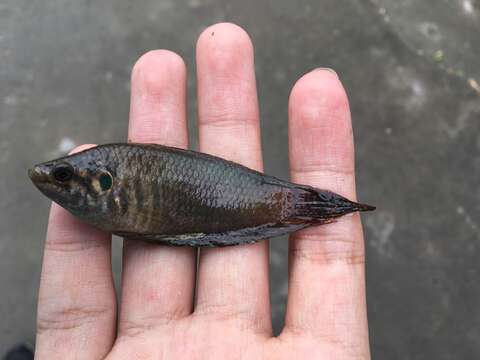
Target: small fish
(180, 197)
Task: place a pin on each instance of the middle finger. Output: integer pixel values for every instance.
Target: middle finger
(233, 281)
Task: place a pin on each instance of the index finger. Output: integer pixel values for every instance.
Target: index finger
(157, 281)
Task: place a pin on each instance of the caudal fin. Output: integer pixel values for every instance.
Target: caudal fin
(320, 205)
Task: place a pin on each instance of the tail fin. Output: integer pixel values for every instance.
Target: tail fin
(320, 205)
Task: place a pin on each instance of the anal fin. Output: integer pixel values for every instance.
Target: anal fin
(234, 237)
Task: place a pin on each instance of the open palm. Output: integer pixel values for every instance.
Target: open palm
(171, 308)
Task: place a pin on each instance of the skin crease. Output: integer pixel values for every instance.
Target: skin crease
(231, 316)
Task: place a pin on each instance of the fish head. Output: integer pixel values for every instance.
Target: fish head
(80, 183)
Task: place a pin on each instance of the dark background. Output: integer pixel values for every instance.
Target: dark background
(411, 69)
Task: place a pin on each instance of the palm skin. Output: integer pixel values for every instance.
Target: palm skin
(169, 307)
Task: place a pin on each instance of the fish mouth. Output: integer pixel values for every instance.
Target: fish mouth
(39, 174)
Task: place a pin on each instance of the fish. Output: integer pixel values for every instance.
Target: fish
(181, 197)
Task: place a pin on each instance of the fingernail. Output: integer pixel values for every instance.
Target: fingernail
(326, 69)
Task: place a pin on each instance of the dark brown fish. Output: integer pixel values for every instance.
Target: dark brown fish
(180, 197)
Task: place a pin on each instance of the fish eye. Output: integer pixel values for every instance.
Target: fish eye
(105, 181)
(63, 173)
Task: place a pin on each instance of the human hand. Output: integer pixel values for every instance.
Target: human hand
(160, 315)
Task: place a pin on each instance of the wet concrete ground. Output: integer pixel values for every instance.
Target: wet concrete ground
(411, 71)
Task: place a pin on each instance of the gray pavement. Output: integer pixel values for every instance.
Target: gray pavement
(412, 72)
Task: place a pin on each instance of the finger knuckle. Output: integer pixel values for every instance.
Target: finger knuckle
(242, 317)
(137, 327)
(229, 119)
(70, 318)
(64, 244)
(327, 250)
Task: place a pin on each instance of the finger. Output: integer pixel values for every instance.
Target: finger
(76, 303)
(157, 281)
(232, 282)
(326, 275)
